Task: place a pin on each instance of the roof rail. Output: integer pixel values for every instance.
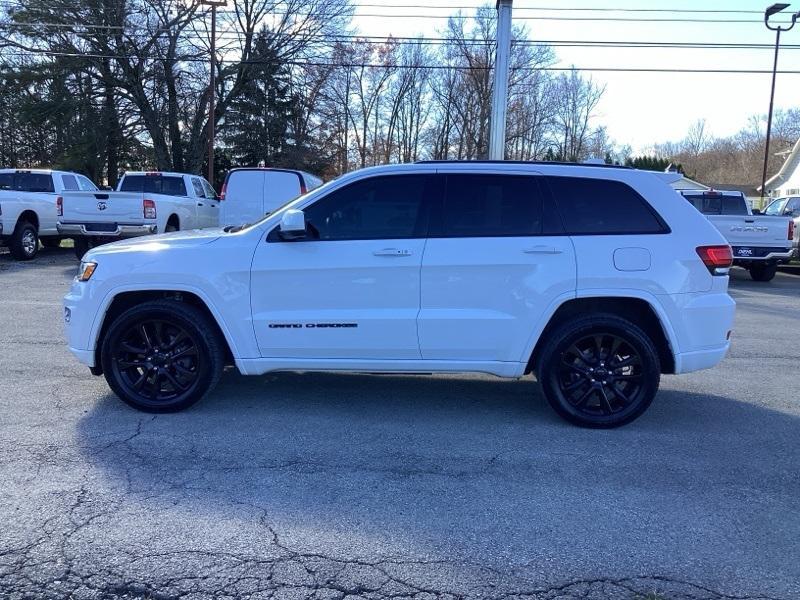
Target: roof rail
(527, 162)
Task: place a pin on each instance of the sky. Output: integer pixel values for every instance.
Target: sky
(640, 109)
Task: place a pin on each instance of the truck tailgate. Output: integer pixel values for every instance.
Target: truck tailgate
(102, 207)
(753, 231)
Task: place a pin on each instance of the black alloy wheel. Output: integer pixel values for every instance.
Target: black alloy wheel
(600, 372)
(162, 356)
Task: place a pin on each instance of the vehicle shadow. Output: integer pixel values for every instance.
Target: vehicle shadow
(461, 468)
(402, 425)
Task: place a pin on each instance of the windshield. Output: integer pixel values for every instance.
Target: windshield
(776, 208)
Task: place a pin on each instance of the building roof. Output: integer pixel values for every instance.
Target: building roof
(791, 163)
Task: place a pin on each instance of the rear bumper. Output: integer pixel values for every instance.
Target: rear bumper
(92, 229)
(759, 255)
(686, 362)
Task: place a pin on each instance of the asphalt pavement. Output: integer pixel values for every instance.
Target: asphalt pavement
(299, 485)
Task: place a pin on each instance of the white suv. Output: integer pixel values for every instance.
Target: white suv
(594, 278)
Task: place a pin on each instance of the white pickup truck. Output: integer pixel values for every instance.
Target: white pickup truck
(144, 203)
(29, 200)
(759, 243)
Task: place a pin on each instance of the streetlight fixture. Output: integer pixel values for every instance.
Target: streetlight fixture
(213, 84)
(772, 10)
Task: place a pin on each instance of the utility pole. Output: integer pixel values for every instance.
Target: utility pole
(497, 124)
(212, 84)
(775, 8)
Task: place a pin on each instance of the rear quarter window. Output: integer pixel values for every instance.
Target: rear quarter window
(603, 207)
(34, 182)
(70, 183)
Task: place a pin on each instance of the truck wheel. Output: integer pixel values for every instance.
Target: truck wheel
(763, 272)
(599, 371)
(82, 246)
(24, 242)
(162, 356)
(50, 242)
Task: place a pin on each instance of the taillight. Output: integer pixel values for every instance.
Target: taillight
(791, 229)
(149, 209)
(717, 258)
(224, 191)
(60, 206)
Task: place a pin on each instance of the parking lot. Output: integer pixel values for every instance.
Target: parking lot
(333, 486)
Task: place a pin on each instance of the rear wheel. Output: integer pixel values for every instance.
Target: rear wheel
(162, 356)
(24, 242)
(763, 272)
(600, 371)
(82, 246)
(172, 225)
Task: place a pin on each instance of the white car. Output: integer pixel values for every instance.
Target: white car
(593, 278)
(144, 203)
(249, 194)
(29, 200)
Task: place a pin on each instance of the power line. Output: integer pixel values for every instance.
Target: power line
(416, 67)
(424, 40)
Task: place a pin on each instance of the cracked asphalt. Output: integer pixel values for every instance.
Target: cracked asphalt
(366, 486)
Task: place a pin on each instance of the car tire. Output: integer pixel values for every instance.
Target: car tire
(24, 242)
(599, 371)
(50, 242)
(162, 356)
(763, 272)
(82, 246)
(171, 227)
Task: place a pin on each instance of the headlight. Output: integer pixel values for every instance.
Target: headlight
(86, 270)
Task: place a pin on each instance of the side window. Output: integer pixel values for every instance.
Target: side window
(35, 182)
(199, 192)
(794, 206)
(70, 183)
(210, 193)
(602, 207)
(377, 208)
(173, 186)
(6, 181)
(85, 184)
(490, 206)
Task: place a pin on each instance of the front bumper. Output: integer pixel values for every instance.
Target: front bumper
(103, 230)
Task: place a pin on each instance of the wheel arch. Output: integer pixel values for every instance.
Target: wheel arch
(642, 311)
(30, 216)
(119, 301)
(174, 219)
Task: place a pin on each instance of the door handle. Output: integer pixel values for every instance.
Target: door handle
(199, 204)
(542, 249)
(392, 252)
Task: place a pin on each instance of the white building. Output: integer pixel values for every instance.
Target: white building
(787, 181)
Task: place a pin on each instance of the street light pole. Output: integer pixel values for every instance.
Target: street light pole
(497, 123)
(774, 9)
(212, 85)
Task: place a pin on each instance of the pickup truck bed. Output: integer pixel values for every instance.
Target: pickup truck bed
(146, 203)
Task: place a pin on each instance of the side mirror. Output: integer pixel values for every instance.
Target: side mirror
(106, 188)
(756, 211)
(293, 224)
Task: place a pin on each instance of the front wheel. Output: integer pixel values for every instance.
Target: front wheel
(162, 356)
(763, 272)
(599, 371)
